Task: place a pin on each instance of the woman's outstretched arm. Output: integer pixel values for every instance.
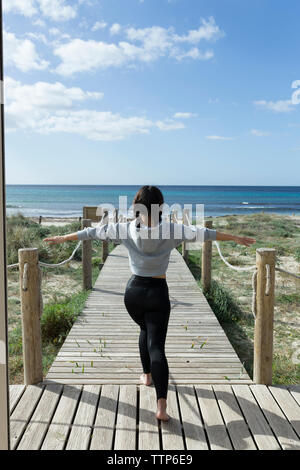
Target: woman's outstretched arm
(234, 238)
(61, 238)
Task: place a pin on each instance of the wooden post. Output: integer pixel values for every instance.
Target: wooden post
(206, 260)
(263, 331)
(31, 308)
(185, 217)
(87, 258)
(40, 219)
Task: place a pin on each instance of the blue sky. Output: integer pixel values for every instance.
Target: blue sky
(152, 92)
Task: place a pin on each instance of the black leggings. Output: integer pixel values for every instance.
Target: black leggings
(147, 302)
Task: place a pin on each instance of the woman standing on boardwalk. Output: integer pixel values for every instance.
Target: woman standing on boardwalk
(149, 241)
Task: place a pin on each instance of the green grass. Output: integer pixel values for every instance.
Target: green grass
(56, 322)
(23, 233)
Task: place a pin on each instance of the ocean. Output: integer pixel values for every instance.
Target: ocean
(67, 201)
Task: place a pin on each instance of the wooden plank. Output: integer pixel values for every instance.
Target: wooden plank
(148, 438)
(213, 421)
(295, 391)
(288, 404)
(15, 393)
(280, 425)
(172, 437)
(126, 429)
(83, 423)
(38, 425)
(255, 419)
(22, 412)
(103, 432)
(58, 431)
(234, 420)
(191, 420)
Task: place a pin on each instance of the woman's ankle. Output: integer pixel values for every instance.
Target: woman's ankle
(162, 403)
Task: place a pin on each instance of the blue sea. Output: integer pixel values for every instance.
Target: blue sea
(67, 201)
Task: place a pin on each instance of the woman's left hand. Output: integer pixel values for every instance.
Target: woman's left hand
(55, 240)
(247, 241)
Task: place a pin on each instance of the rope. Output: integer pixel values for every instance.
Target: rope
(47, 265)
(236, 268)
(11, 266)
(268, 280)
(287, 272)
(25, 277)
(254, 290)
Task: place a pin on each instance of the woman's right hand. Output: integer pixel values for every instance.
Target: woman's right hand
(55, 240)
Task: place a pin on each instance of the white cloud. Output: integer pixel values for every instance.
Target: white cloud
(213, 100)
(193, 53)
(56, 10)
(99, 25)
(169, 125)
(115, 28)
(208, 31)
(218, 137)
(280, 106)
(47, 108)
(22, 54)
(259, 133)
(24, 7)
(184, 115)
(141, 45)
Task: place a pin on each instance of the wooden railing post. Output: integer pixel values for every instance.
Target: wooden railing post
(87, 258)
(206, 260)
(105, 243)
(31, 308)
(263, 331)
(185, 218)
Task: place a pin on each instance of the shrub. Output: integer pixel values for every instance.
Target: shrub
(222, 303)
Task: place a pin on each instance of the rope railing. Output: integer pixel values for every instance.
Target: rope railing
(49, 265)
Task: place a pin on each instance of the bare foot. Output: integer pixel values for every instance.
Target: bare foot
(161, 410)
(146, 379)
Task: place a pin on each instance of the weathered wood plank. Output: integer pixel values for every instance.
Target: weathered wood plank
(148, 424)
(23, 411)
(38, 425)
(255, 419)
(191, 420)
(83, 423)
(237, 428)
(15, 393)
(102, 436)
(125, 438)
(280, 425)
(213, 421)
(58, 431)
(172, 437)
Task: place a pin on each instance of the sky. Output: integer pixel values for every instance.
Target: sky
(173, 92)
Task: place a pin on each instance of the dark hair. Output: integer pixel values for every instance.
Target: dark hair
(146, 196)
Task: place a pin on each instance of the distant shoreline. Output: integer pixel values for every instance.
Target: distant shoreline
(60, 221)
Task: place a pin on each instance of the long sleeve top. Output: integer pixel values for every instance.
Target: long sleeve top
(149, 248)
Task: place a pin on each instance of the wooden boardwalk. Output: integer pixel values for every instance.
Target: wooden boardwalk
(121, 417)
(102, 346)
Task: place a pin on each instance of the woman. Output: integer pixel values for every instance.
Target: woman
(149, 241)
